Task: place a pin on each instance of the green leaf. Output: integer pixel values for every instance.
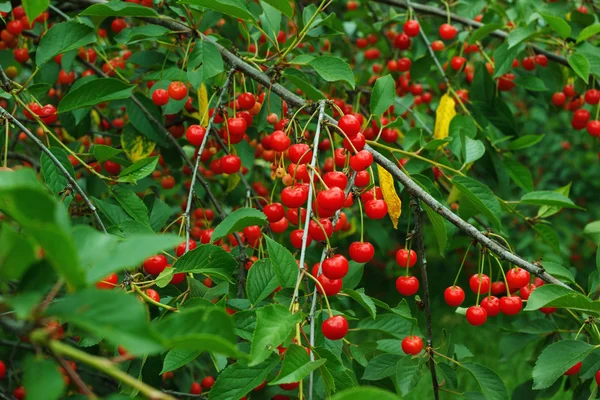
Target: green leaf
(519, 173)
(359, 296)
(201, 328)
(333, 69)
(383, 95)
(117, 316)
(238, 379)
(547, 211)
(298, 78)
(177, 358)
(282, 5)
(520, 35)
(283, 262)
(598, 259)
(274, 323)
(132, 204)
(588, 32)
(63, 37)
(261, 281)
(532, 83)
(53, 177)
(238, 220)
(556, 359)
(492, 387)
(270, 19)
(548, 198)
(524, 142)
(503, 58)
(207, 54)
(296, 365)
(549, 235)
(560, 297)
(481, 196)
(33, 9)
(381, 367)
(559, 25)
(209, 260)
(365, 393)
(234, 8)
(141, 122)
(581, 65)
(398, 326)
(439, 227)
(138, 170)
(474, 150)
(103, 153)
(558, 271)
(42, 379)
(94, 92)
(132, 35)
(408, 374)
(593, 231)
(483, 32)
(119, 9)
(17, 253)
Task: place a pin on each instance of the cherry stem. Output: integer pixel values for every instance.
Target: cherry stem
(480, 263)
(362, 222)
(309, 276)
(461, 264)
(503, 274)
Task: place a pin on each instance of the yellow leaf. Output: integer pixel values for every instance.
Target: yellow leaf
(135, 145)
(95, 117)
(444, 114)
(67, 136)
(386, 183)
(203, 105)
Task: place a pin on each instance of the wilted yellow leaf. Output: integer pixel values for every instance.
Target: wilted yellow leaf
(95, 117)
(203, 105)
(444, 114)
(67, 136)
(386, 183)
(135, 145)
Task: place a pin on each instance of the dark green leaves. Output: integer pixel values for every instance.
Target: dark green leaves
(119, 9)
(483, 32)
(55, 179)
(408, 374)
(132, 204)
(333, 69)
(381, 367)
(480, 196)
(588, 32)
(63, 37)
(207, 259)
(296, 365)
(238, 220)
(364, 300)
(42, 379)
(558, 296)
(239, 379)
(94, 92)
(365, 393)
(282, 5)
(490, 383)
(581, 65)
(548, 198)
(261, 281)
(233, 8)
(525, 141)
(33, 8)
(593, 231)
(274, 324)
(177, 358)
(383, 95)
(138, 170)
(556, 359)
(559, 25)
(283, 262)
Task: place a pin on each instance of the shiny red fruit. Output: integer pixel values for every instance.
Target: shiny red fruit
(230, 164)
(331, 286)
(208, 382)
(454, 296)
(411, 28)
(195, 388)
(592, 96)
(274, 212)
(350, 125)
(447, 32)
(479, 283)
(412, 345)
(294, 196)
(335, 267)
(195, 134)
(160, 97)
(361, 252)
(476, 315)
(517, 278)
(406, 258)
(335, 328)
(107, 283)
(154, 265)
(511, 305)
(574, 370)
(491, 304)
(180, 249)
(361, 160)
(177, 90)
(407, 285)
(376, 209)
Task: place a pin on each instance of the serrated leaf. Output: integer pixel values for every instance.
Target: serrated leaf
(136, 145)
(519, 173)
(63, 37)
(283, 262)
(532, 83)
(588, 32)
(593, 231)
(481, 197)
(103, 153)
(261, 281)
(408, 374)
(296, 366)
(549, 235)
(282, 5)
(233, 8)
(503, 58)
(556, 359)
(33, 8)
(558, 271)
(547, 211)
(548, 198)
(209, 260)
(439, 227)
(520, 35)
(483, 32)
(525, 141)
(54, 178)
(560, 297)
(119, 9)
(238, 379)
(132, 204)
(559, 25)
(333, 69)
(132, 35)
(365, 393)
(581, 65)
(359, 296)
(383, 95)
(474, 150)
(138, 170)
(177, 358)
(94, 92)
(492, 387)
(381, 367)
(274, 323)
(238, 220)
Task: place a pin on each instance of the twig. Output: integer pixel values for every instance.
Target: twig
(426, 300)
(75, 377)
(22, 157)
(72, 182)
(191, 396)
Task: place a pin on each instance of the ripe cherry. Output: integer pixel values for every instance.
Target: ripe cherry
(296, 238)
(407, 285)
(153, 294)
(574, 370)
(597, 377)
(177, 90)
(318, 230)
(274, 212)
(479, 283)
(517, 278)
(406, 258)
(118, 24)
(498, 288)
(332, 199)
(15, 27)
(526, 290)
(511, 305)
(300, 153)
(402, 41)
(208, 382)
(336, 179)
(331, 286)
(160, 97)
(541, 60)
(21, 55)
(454, 296)
(376, 209)
(411, 28)
(491, 304)
(19, 393)
(457, 63)
(111, 167)
(593, 128)
(350, 125)
(581, 115)
(361, 252)
(447, 32)
(279, 226)
(2, 370)
(109, 282)
(528, 63)
(438, 45)
(230, 164)
(289, 386)
(335, 267)
(237, 126)
(154, 265)
(195, 134)
(66, 78)
(412, 345)
(361, 160)
(294, 196)
(246, 101)
(167, 182)
(592, 96)
(335, 328)
(559, 99)
(195, 388)
(279, 141)
(476, 315)
(180, 249)
(569, 90)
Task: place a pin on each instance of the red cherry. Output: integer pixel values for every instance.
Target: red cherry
(160, 97)
(195, 134)
(517, 278)
(491, 304)
(279, 226)
(180, 249)
(402, 41)
(447, 32)
(318, 230)
(357, 143)
(289, 386)
(300, 153)
(336, 179)
(593, 128)
(296, 238)
(230, 164)
(154, 265)
(592, 96)
(48, 114)
(362, 179)
(335, 328)
(541, 60)
(438, 45)
(476, 315)
(511, 305)
(274, 212)
(19, 393)
(177, 90)
(361, 252)
(404, 64)
(350, 125)
(474, 283)
(581, 115)
(196, 388)
(237, 126)
(246, 101)
(332, 199)
(412, 345)
(331, 286)
(208, 382)
(118, 24)
(407, 285)
(107, 283)
(66, 78)
(335, 267)
(280, 141)
(597, 377)
(574, 370)
(548, 310)
(406, 258)
(21, 55)
(2, 370)
(15, 27)
(294, 196)
(177, 279)
(376, 209)
(411, 28)
(528, 63)
(526, 290)
(153, 294)
(454, 296)
(112, 167)
(361, 160)
(498, 288)
(569, 90)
